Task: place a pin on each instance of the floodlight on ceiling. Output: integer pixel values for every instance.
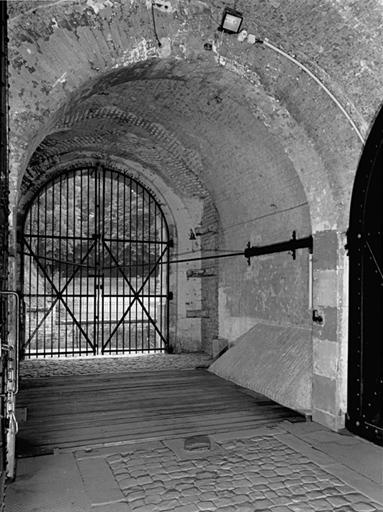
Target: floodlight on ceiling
(231, 21)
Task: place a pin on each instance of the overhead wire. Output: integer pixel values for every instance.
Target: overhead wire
(155, 26)
(275, 48)
(260, 217)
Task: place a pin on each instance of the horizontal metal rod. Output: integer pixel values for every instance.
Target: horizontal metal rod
(48, 237)
(216, 256)
(87, 296)
(290, 245)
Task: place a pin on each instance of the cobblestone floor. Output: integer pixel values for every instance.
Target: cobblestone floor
(257, 474)
(85, 366)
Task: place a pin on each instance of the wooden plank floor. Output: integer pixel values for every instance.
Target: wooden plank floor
(95, 410)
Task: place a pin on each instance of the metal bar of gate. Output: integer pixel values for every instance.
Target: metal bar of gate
(52, 224)
(66, 257)
(79, 301)
(130, 256)
(149, 337)
(123, 260)
(102, 251)
(167, 304)
(136, 254)
(71, 237)
(37, 275)
(114, 314)
(60, 265)
(97, 255)
(30, 282)
(159, 269)
(142, 258)
(87, 248)
(45, 196)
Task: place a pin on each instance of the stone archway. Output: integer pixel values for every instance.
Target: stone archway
(300, 142)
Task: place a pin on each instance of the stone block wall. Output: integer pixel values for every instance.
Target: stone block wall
(329, 330)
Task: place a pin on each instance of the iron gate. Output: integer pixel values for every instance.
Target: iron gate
(365, 376)
(96, 267)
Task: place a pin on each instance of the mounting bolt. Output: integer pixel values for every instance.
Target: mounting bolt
(242, 36)
(317, 318)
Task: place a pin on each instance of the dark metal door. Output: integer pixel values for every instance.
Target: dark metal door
(96, 257)
(365, 383)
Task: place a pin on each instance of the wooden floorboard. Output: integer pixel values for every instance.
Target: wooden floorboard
(94, 410)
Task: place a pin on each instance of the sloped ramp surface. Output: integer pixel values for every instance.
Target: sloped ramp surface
(272, 360)
(70, 412)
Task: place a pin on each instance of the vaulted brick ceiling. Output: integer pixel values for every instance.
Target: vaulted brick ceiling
(251, 134)
(191, 125)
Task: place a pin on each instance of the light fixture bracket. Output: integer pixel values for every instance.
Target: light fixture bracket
(231, 21)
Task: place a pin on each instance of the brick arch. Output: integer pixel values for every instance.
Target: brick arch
(179, 160)
(181, 217)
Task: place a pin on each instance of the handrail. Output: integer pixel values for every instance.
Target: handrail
(17, 335)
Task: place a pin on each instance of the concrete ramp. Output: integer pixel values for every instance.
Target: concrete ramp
(272, 360)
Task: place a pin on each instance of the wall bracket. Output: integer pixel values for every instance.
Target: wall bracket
(290, 245)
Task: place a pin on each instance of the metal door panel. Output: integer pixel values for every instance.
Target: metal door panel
(365, 379)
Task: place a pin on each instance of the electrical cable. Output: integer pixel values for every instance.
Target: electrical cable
(185, 260)
(267, 43)
(154, 25)
(271, 214)
(275, 48)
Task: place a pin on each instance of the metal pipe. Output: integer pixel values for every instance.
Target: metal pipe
(267, 43)
(290, 245)
(200, 258)
(17, 335)
(310, 281)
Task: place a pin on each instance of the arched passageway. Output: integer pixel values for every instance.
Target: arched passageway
(238, 142)
(365, 376)
(240, 139)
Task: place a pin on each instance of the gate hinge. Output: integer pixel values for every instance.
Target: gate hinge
(347, 246)
(171, 243)
(170, 296)
(353, 241)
